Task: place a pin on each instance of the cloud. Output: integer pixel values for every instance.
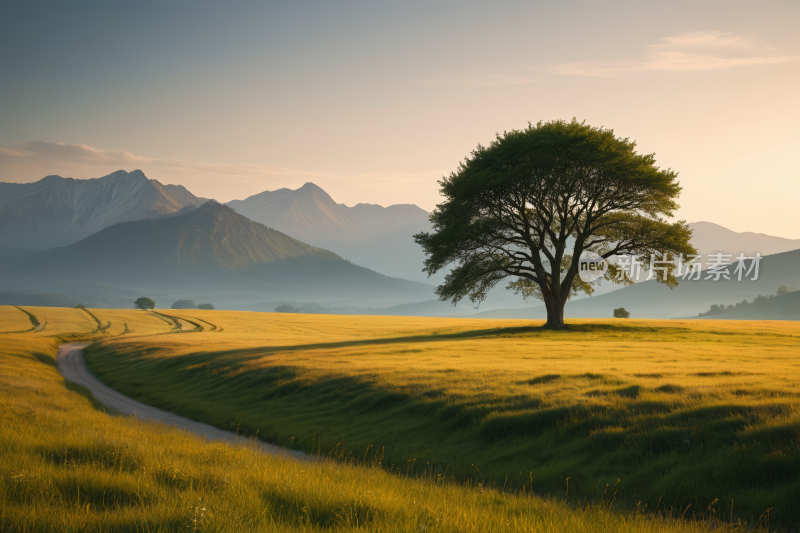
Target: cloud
(49, 154)
(688, 52)
(79, 153)
(30, 161)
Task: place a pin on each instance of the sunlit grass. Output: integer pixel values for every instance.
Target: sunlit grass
(65, 466)
(681, 412)
(12, 319)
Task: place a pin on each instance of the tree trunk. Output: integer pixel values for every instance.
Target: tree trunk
(555, 314)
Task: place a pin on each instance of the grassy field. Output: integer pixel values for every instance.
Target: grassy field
(65, 466)
(683, 413)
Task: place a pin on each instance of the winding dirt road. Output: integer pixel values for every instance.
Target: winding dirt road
(72, 366)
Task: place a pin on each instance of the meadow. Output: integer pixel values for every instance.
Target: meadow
(66, 465)
(689, 416)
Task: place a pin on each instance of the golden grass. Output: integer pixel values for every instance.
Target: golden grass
(12, 319)
(711, 359)
(67, 467)
(688, 410)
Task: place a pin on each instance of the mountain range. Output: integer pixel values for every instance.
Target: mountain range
(311, 215)
(379, 238)
(210, 249)
(56, 211)
(296, 245)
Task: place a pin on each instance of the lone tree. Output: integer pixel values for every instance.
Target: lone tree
(621, 312)
(144, 303)
(528, 205)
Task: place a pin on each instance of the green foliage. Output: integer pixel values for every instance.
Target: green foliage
(512, 207)
(285, 308)
(207, 307)
(621, 312)
(184, 304)
(144, 303)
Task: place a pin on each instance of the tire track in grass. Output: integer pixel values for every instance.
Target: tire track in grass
(213, 326)
(176, 320)
(31, 317)
(100, 327)
(72, 366)
(37, 326)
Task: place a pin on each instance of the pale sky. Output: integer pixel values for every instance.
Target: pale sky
(376, 101)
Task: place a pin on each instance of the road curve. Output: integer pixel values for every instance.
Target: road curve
(72, 366)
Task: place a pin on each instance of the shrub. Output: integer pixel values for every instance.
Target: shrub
(184, 304)
(621, 312)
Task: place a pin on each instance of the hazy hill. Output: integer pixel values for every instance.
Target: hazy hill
(710, 238)
(56, 211)
(650, 299)
(786, 307)
(41, 300)
(210, 249)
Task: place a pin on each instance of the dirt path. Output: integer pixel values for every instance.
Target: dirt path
(73, 367)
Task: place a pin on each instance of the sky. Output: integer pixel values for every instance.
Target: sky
(376, 101)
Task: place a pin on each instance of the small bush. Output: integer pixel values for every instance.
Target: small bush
(184, 304)
(621, 313)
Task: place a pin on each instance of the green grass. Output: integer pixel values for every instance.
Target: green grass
(680, 413)
(65, 465)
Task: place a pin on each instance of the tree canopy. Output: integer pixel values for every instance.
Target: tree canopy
(184, 304)
(621, 312)
(528, 205)
(144, 303)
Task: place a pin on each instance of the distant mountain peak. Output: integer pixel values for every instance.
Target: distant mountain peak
(56, 211)
(310, 214)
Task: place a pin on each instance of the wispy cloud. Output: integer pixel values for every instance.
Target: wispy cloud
(36, 153)
(688, 52)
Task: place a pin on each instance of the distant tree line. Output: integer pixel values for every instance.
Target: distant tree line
(308, 308)
(718, 309)
(147, 303)
(189, 304)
